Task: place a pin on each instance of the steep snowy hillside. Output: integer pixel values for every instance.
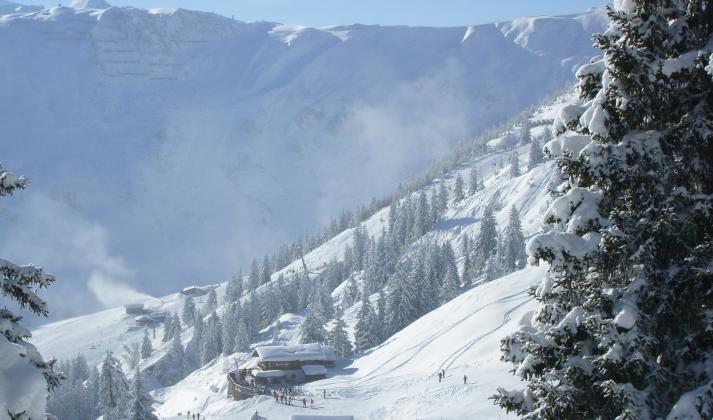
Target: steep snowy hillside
(120, 115)
(397, 378)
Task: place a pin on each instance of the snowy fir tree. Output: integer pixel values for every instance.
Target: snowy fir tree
(167, 329)
(442, 198)
(380, 314)
(474, 183)
(188, 314)
(211, 302)
(624, 325)
(467, 260)
(212, 344)
(449, 288)
(113, 388)
(76, 396)
(365, 334)
(338, 337)
(535, 155)
(254, 277)
(312, 329)
(512, 245)
(525, 135)
(458, 193)
(234, 289)
(22, 367)
(139, 402)
(265, 271)
(402, 306)
(514, 165)
(132, 354)
(146, 347)
(486, 242)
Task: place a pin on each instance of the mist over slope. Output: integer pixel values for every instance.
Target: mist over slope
(167, 146)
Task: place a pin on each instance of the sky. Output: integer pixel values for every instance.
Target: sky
(384, 12)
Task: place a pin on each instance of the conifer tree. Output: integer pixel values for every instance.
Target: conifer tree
(312, 329)
(230, 326)
(458, 194)
(338, 338)
(486, 242)
(402, 308)
(467, 260)
(139, 407)
(525, 135)
(242, 338)
(380, 314)
(176, 325)
(535, 157)
(449, 288)
(442, 198)
(146, 347)
(167, 328)
(20, 284)
(212, 344)
(265, 270)
(365, 336)
(423, 217)
(211, 303)
(173, 367)
(514, 165)
(254, 277)
(474, 183)
(189, 311)
(234, 289)
(512, 247)
(113, 388)
(624, 325)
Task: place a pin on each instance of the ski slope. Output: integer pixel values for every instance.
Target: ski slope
(397, 380)
(119, 115)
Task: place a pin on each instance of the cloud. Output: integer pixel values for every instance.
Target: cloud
(111, 293)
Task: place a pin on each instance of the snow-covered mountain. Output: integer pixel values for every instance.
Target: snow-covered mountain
(397, 379)
(167, 146)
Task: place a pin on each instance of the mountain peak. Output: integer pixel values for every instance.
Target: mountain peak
(89, 4)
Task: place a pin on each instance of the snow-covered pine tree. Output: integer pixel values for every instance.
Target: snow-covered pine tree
(230, 325)
(242, 338)
(525, 135)
(132, 354)
(338, 338)
(365, 336)
(458, 193)
(234, 289)
(113, 388)
(486, 242)
(380, 314)
(435, 208)
(189, 311)
(492, 269)
(624, 325)
(211, 303)
(266, 270)
(442, 198)
(20, 284)
(449, 288)
(473, 183)
(423, 217)
(167, 329)
(401, 309)
(139, 404)
(174, 366)
(176, 325)
(535, 156)
(312, 328)
(212, 344)
(512, 245)
(467, 260)
(254, 277)
(146, 347)
(514, 165)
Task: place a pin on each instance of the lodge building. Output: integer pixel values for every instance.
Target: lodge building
(280, 365)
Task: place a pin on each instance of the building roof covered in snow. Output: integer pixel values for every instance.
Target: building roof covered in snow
(314, 370)
(299, 352)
